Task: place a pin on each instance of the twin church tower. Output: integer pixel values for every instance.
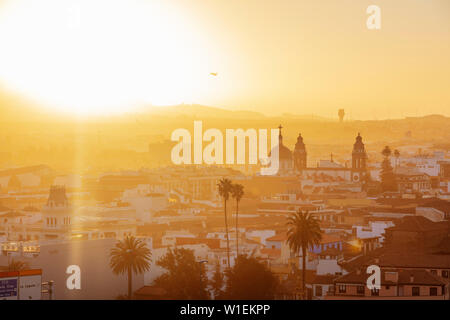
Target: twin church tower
(296, 161)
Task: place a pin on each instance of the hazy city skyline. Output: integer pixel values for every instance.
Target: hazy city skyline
(228, 150)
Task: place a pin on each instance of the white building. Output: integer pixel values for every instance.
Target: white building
(145, 201)
(372, 230)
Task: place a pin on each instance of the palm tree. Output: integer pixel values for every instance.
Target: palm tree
(225, 187)
(130, 256)
(237, 192)
(17, 265)
(303, 232)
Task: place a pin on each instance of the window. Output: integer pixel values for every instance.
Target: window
(318, 291)
(416, 291)
(433, 291)
(444, 273)
(342, 288)
(375, 292)
(360, 289)
(434, 272)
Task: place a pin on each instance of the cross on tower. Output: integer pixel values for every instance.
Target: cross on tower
(280, 137)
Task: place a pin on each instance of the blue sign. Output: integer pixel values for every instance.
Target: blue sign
(8, 288)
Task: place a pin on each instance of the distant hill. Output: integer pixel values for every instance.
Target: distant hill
(200, 111)
(305, 116)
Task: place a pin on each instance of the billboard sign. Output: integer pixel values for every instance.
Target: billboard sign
(9, 285)
(21, 285)
(30, 284)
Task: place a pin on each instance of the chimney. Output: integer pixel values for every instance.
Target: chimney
(411, 278)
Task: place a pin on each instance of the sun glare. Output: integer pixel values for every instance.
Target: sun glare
(102, 56)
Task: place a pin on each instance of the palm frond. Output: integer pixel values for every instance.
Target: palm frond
(130, 253)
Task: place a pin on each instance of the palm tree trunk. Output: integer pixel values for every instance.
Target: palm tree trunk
(130, 275)
(237, 232)
(303, 273)
(226, 231)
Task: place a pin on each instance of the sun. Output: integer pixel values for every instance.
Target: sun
(100, 56)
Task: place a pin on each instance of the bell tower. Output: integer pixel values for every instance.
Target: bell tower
(300, 154)
(359, 157)
(56, 214)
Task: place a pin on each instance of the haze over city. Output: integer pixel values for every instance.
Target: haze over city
(133, 153)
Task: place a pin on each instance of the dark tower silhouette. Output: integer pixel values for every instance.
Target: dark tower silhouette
(359, 157)
(280, 136)
(300, 154)
(57, 197)
(341, 114)
(285, 155)
(56, 215)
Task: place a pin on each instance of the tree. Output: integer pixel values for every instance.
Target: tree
(386, 152)
(225, 187)
(130, 256)
(17, 265)
(250, 279)
(185, 278)
(303, 232)
(217, 282)
(388, 182)
(237, 192)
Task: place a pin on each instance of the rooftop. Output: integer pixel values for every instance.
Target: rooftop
(417, 277)
(278, 237)
(418, 224)
(411, 260)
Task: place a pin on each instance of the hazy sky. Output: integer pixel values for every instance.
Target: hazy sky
(272, 56)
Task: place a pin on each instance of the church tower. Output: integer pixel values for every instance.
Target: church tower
(286, 163)
(359, 157)
(56, 214)
(300, 154)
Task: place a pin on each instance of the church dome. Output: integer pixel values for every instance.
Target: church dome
(285, 153)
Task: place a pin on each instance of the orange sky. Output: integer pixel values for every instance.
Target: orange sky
(272, 56)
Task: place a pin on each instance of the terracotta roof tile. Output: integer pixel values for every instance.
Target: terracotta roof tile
(418, 277)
